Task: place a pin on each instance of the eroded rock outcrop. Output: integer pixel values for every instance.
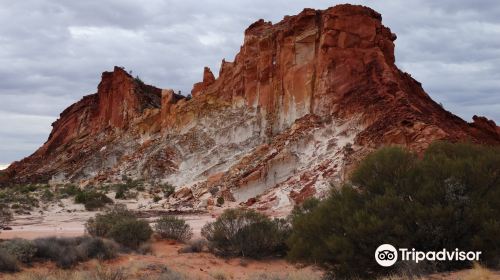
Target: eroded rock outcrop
(301, 103)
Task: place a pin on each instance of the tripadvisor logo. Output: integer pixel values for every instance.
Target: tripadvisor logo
(387, 255)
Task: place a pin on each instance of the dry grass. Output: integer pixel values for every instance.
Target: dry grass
(476, 273)
(99, 273)
(480, 273)
(290, 276)
(218, 275)
(401, 277)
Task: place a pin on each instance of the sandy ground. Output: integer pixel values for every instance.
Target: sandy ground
(206, 266)
(65, 219)
(190, 265)
(73, 224)
(70, 219)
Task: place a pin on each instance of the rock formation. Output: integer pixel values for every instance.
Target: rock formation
(303, 101)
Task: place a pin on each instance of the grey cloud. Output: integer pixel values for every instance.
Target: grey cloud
(53, 52)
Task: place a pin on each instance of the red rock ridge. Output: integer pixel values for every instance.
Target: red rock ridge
(303, 100)
(119, 100)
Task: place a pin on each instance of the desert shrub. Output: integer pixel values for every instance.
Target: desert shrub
(194, 246)
(167, 190)
(133, 184)
(26, 201)
(156, 198)
(5, 215)
(47, 195)
(67, 252)
(120, 225)
(23, 250)
(241, 232)
(68, 191)
(98, 248)
(218, 275)
(449, 199)
(8, 262)
(105, 273)
(220, 201)
(101, 224)
(27, 188)
(174, 228)
(121, 191)
(92, 199)
(131, 232)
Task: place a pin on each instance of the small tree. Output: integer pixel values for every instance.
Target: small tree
(131, 232)
(174, 228)
(102, 224)
(449, 199)
(241, 232)
(120, 225)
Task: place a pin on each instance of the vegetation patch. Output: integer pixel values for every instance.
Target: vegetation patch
(449, 198)
(247, 233)
(23, 250)
(67, 252)
(171, 227)
(92, 200)
(120, 225)
(126, 189)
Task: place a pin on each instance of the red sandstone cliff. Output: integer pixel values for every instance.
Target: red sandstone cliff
(302, 101)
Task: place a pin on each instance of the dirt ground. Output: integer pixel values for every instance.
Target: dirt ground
(69, 224)
(165, 253)
(190, 265)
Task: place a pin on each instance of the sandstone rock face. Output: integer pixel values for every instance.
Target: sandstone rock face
(303, 101)
(208, 79)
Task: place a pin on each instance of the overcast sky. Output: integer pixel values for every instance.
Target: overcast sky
(52, 52)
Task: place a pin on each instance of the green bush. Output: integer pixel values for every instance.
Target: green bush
(47, 195)
(8, 262)
(449, 199)
(68, 191)
(23, 250)
(247, 233)
(92, 199)
(120, 225)
(123, 189)
(220, 201)
(97, 248)
(67, 252)
(101, 224)
(168, 190)
(121, 192)
(27, 188)
(131, 232)
(174, 228)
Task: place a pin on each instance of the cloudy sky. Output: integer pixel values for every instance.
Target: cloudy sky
(52, 52)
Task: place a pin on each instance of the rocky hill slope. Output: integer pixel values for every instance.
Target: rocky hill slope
(301, 103)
